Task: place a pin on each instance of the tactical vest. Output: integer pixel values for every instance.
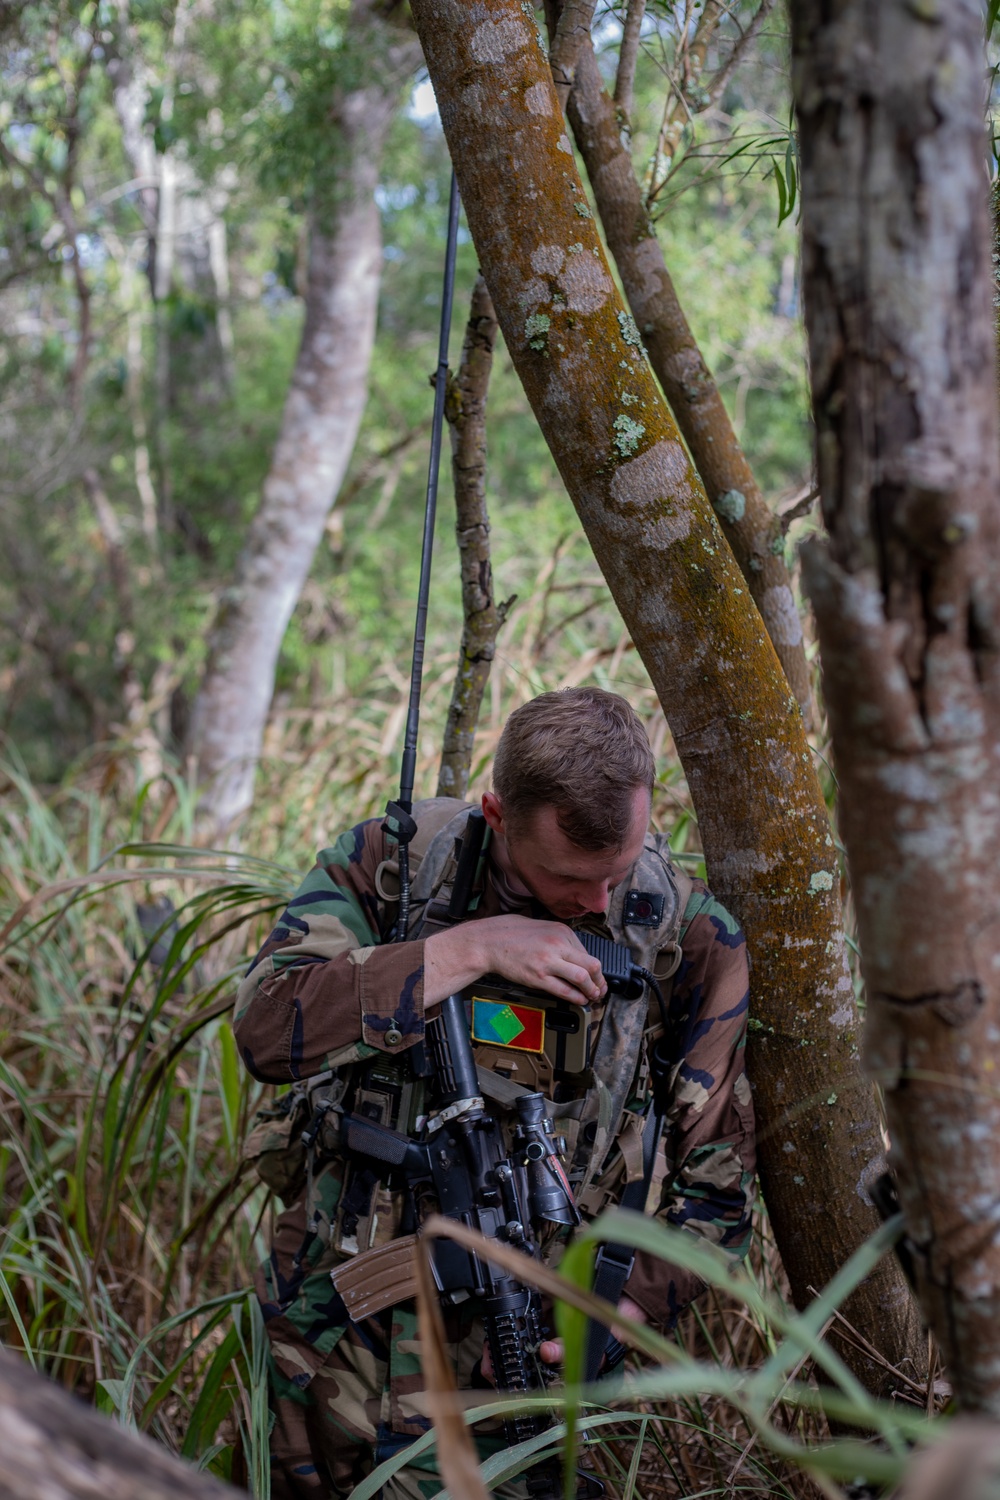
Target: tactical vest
(645, 914)
(603, 1138)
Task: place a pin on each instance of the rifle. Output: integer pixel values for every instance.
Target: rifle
(460, 1164)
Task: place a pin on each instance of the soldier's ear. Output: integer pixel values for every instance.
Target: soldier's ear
(493, 812)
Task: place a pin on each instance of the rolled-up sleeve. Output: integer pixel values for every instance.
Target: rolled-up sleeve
(323, 986)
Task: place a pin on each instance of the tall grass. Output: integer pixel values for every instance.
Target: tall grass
(130, 1228)
(129, 1223)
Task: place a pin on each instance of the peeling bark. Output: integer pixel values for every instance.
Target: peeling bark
(737, 727)
(898, 291)
(322, 414)
(752, 530)
(465, 409)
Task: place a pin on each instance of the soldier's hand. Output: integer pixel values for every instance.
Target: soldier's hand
(550, 1351)
(540, 955)
(543, 956)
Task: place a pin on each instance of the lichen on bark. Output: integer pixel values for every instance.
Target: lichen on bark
(737, 726)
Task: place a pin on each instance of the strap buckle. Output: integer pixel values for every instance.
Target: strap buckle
(616, 1258)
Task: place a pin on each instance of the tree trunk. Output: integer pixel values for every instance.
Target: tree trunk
(752, 530)
(737, 728)
(320, 423)
(52, 1447)
(898, 291)
(465, 409)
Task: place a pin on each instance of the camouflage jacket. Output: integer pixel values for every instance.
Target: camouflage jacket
(325, 991)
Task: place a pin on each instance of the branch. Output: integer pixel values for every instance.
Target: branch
(800, 507)
(628, 56)
(680, 112)
(572, 31)
(52, 1444)
(736, 56)
(465, 409)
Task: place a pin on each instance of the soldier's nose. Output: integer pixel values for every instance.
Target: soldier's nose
(598, 898)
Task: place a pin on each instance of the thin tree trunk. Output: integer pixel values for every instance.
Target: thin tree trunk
(628, 56)
(53, 1447)
(322, 414)
(482, 617)
(752, 530)
(898, 292)
(570, 35)
(737, 728)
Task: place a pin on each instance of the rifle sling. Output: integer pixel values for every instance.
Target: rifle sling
(613, 1262)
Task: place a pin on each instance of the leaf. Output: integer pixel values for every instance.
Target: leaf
(457, 1457)
(633, 1468)
(577, 1265)
(783, 206)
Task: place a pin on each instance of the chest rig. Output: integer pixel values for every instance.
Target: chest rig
(604, 1137)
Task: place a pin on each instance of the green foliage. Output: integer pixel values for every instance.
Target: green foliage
(128, 1223)
(246, 103)
(678, 1394)
(130, 1231)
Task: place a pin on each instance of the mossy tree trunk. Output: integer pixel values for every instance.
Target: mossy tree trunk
(53, 1447)
(750, 527)
(898, 292)
(737, 727)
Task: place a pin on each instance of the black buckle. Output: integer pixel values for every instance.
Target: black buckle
(398, 824)
(618, 1257)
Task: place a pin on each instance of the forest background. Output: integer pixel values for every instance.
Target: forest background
(139, 417)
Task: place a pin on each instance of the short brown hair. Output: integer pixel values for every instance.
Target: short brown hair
(582, 751)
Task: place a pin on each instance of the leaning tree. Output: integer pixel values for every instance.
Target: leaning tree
(737, 726)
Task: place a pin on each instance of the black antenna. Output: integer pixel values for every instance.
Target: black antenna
(399, 823)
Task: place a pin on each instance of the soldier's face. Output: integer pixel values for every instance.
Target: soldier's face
(569, 881)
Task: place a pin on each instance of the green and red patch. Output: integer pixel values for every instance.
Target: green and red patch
(504, 1024)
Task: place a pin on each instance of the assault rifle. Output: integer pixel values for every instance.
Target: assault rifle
(460, 1164)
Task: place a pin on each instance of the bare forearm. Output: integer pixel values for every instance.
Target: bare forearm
(538, 954)
(452, 960)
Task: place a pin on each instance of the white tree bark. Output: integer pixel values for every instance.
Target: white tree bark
(322, 413)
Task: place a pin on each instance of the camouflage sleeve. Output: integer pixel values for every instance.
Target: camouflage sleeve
(323, 990)
(710, 1127)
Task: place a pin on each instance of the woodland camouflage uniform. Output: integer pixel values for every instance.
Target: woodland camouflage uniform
(326, 992)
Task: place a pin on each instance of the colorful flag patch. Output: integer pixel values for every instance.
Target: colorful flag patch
(504, 1025)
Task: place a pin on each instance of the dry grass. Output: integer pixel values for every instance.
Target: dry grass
(129, 1227)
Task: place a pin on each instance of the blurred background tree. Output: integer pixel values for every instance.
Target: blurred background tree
(149, 344)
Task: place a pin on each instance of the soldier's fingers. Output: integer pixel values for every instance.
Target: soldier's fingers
(585, 987)
(584, 959)
(550, 1351)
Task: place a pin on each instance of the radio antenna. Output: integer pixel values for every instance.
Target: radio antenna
(398, 822)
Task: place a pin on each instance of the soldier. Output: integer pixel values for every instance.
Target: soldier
(329, 998)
